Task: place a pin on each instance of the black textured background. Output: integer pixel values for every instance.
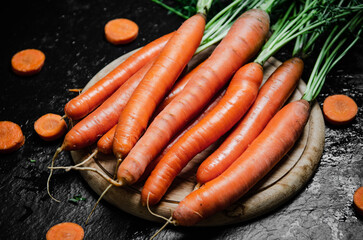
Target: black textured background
(70, 33)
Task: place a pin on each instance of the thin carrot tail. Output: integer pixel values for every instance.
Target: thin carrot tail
(117, 183)
(98, 201)
(118, 162)
(90, 157)
(59, 150)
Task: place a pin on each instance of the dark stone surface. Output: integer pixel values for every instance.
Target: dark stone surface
(70, 33)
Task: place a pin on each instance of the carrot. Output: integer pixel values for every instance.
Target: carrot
(270, 99)
(242, 42)
(11, 137)
(358, 201)
(121, 31)
(86, 102)
(240, 94)
(27, 62)
(262, 155)
(156, 83)
(66, 230)
(97, 123)
(277, 138)
(177, 88)
(208, 109)
(104, 144)
(339, 109)
(92, 127)
(50, 127)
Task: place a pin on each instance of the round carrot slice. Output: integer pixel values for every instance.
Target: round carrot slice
(11, 137)
(28, 62)
(65, 231)
(358, 200)
(121, 31)
(50, 127)
(339, 109)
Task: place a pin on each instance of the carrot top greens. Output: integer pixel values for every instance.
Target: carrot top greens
(336, 45)
(221, 21)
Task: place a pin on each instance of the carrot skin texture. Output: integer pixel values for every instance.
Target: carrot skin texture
(240, 95)
(104, 144)
(86, 102)
(177, 88)
(97, 123)
(209, 108)
(156, 83)
(241, 43)
(266, 150)
(273, 94)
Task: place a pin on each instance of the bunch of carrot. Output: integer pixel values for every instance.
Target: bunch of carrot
(145, 137)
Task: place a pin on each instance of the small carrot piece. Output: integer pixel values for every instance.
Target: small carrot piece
(261, 156)
(339, 109)
(66, 230)
(50, 126)
(11, 137)
(358, 201)
(243, 41)
(90, 99)
(78, 90)
(121, 31)
(271, 97)
(240, 95)
(156, 83)
(27, 62)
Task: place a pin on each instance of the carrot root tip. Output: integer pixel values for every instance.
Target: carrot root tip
(59, 150)
(98, 201)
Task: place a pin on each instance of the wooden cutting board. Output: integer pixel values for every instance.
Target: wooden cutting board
(284, 181)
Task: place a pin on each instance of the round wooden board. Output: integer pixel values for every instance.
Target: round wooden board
(283, 182)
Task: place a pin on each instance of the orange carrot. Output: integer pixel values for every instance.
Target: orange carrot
(66, 230)
(104, 144)
(121, 31)
(358, 201)
(28, 62)
(156, 83)
(339, 109)
(270, 99)
(242, 42)
(209, 108)
(86, 102)
(91, 128)
(11, 137)
(261, 156)
(177, 88)
(240, 95)
(97, 123)
(50, 127)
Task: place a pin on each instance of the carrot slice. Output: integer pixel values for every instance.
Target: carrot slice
(121, 31)
(11, 137)
(66, 230)
(27, 62)
(50, 127)
(358, 201)
(339, 109)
